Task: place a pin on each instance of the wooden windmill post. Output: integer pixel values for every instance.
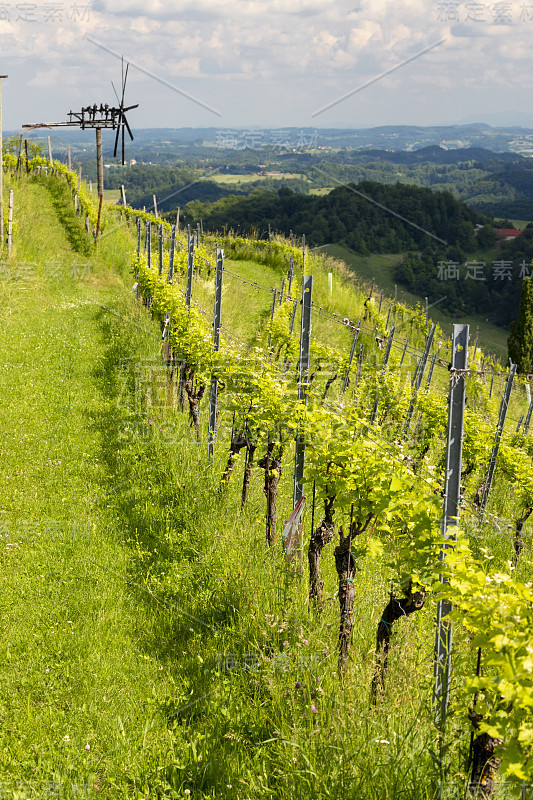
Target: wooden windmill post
(1, 173)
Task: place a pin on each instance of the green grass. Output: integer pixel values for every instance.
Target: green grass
(111, 196)
(152, 645)
(379, 267)
(75, 676)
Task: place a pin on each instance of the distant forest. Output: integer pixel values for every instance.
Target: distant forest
(367, 218)
(492, 183)
(436, 233)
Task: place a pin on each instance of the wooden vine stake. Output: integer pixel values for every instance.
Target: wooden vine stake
(10, 224)
(99, 217)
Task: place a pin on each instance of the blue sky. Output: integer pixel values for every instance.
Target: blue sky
(271, 63)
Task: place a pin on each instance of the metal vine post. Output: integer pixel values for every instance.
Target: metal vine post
(217, 316)
(504, 407)
(450, 515)
(303, 377)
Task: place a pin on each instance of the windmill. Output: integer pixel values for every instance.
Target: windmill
(122, 122)
(98, 117)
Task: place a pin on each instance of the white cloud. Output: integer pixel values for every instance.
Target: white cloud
(247, 55)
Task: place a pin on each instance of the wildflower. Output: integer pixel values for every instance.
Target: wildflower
(87, 746)
(314, 709)
(298, 685)
(285, 643)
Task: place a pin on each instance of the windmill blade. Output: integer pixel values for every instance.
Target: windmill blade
(127, 126)
(123, 122)
(116, 95)
(116, 141)
(125, 78)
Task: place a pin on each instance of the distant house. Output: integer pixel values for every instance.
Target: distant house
(506, 234)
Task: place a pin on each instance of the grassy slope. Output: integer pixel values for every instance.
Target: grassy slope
(150, 600)
(380, 267)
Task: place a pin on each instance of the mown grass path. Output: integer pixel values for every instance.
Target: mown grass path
(74, 678)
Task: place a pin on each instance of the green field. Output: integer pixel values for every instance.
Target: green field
(247, 178)
(111, 196)
(322, 191)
